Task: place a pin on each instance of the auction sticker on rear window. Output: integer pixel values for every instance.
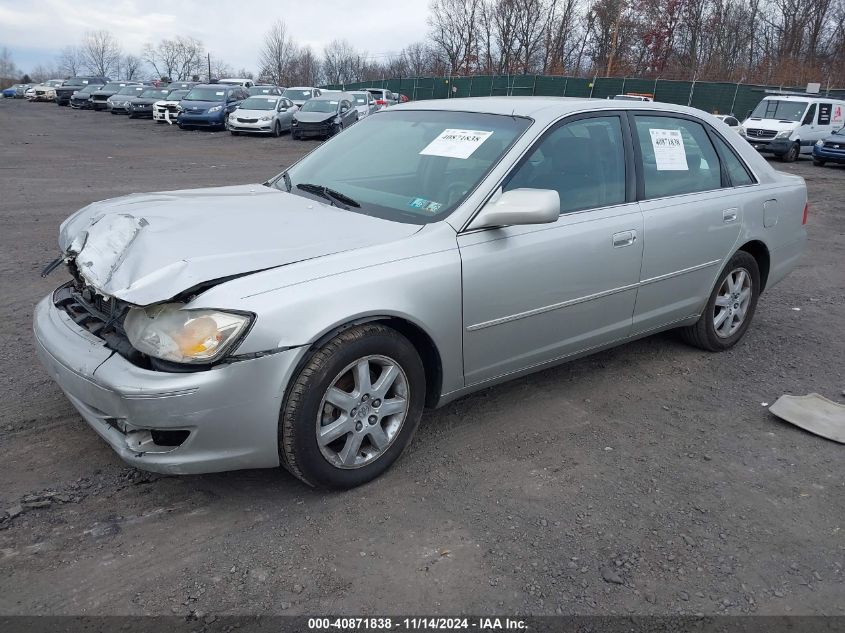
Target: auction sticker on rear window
(669, 154)
(456, 143)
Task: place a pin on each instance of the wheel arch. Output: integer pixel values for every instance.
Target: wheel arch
(760, 253)
(416, 334)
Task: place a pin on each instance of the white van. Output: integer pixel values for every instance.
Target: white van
(788, 125)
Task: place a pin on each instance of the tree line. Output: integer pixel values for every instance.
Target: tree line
(788, 42)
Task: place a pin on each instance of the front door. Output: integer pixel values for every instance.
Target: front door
(535, 294)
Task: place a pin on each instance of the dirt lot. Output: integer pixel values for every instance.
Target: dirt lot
(647, 479)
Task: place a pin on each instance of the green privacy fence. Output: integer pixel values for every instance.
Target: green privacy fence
(716, 97)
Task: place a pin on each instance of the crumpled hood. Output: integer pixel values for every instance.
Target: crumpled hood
(146, 248)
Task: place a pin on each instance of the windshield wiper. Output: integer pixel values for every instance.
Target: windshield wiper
(286, 178)
(329, 194)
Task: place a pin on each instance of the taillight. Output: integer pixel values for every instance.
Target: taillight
(806, 213)
(380, 101)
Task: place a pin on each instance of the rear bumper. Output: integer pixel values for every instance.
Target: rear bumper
(230, 413)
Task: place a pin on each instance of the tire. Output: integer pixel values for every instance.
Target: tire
(819, 162)
(791, 154)
(226, 121)
(160, 121)
(233, 132)
(294, 135)
(277, 129)
(703, 333)
(307, 408)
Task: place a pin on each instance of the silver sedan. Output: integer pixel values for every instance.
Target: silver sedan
(264, 114)
(308, 321)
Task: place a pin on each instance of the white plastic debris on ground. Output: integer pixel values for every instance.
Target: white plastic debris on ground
(813, 413)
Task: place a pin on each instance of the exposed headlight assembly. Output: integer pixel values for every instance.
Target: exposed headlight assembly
(169, 332)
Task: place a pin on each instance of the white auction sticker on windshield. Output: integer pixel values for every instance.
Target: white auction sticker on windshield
(456, 143)
(669, 153)
(219, 93)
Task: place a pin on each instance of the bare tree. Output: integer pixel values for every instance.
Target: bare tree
(70, 61)
(277, 54)
(132, 66)
(453, 31)
(100, 53)
(177, 59)
(8, 70)
(342, 63)
(305, 68)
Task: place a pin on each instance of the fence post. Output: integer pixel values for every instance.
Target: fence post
(593, 85)
(691, 92)
(534, 87)
(623, 85)
(733, 102)
(565, 86)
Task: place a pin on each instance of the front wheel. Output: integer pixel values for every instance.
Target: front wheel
(730, 308)
(353, 408)
(818, 162)
(791, 154)
(277, 129)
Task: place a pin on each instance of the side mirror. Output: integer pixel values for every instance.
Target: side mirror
(519, 206)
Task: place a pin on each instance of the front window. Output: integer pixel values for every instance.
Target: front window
(206, 94)
(155, 93)
(420, 165)
(112, 87)
(259, 103)
(177, 95)
(779, 109)
(130, 90)
(320, 105)
(360, 99)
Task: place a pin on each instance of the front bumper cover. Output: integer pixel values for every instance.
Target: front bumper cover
(231, 411)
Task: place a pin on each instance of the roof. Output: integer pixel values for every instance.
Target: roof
(539, 108)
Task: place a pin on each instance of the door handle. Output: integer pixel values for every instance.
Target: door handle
(730, 215)
(624, 238)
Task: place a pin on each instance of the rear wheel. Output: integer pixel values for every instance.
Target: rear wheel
(791, 154)
(730, 307)
(277, 129)
(353, 408)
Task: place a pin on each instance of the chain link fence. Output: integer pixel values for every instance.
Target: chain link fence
(714, 97)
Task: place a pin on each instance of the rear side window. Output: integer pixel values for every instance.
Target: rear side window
(584, 161)
(737, 171)
(824, 113)
(677, 157)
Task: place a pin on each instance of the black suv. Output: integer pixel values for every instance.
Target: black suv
(66, 90)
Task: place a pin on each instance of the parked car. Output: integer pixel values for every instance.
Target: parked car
(323, 116)
(830, 149)
(633, 97)
(209, 105)
(46, 91)
(167, 110)
(100, 97)
(142, 105)
(263, 115)
(731, 121)
(20, 90)
(81, 99)
(383, 97)
(363, 102)
(120, 102)
(403, 98)
(11, 92)
(788, 125)
(69, 86)
(308, 321)
(301, 94)
(180, 85)
(264, 89)
(237, 81)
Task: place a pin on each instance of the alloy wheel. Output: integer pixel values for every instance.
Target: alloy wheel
(362, 411)
(732, 302)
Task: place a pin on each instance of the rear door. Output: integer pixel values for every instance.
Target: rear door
(534, 294)
(691, 215)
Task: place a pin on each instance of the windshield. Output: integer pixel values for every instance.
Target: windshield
(259, 103)
(292, 93)
(779, 109)
(206, 94)
(87, 90)
(262, 90)
(130, 90)
(320, 105)
(177, 95)
(53, 83)
(112, 87)
(360, 99)
(436, 159)
(154, 93)
(75, 82)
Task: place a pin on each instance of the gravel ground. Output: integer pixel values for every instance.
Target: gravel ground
(647, 479)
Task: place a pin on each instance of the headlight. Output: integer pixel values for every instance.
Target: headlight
(820, 143)
(784, 134)
(168, 332)
(215, 109)
(294, 122)
(266, 118)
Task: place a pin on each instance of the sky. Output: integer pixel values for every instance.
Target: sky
(36, 30)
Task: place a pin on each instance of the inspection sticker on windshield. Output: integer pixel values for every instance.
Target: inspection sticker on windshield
(425, 205)
(219, 93)
(456, 143)
(669, 154)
